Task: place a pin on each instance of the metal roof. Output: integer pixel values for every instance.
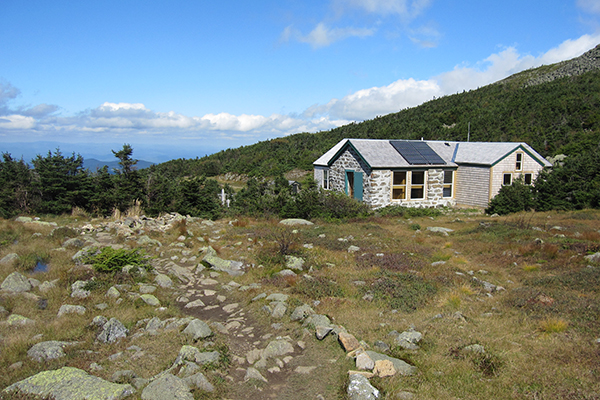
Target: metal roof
(380, 154)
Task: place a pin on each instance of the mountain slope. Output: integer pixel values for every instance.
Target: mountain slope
(555, 108)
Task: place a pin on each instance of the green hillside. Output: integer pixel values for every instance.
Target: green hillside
(560, 116)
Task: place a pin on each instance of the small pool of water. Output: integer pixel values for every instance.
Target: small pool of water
(40, 266)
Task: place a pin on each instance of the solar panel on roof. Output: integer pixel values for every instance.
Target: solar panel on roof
(416, 153)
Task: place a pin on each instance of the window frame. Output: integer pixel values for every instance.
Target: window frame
(530, 175)
(401, 186)
(325, 182)
(510, 175)
(420, 186)
(448, 185)
(519, 161)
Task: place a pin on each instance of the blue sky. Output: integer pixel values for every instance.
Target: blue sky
(188, 78)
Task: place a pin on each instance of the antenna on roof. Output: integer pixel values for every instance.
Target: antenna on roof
(469, 132)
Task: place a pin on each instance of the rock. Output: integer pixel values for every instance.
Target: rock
(147, 241)
(9, 259)
(292, 262)
(147, 289)
(199, 381)
(277, 348)
(167, 386)
(16, 319)
(99, 321)
(353, 249)
(438, 229)
(70, 309)
(195, 303)
(286, 272)
(474, 348)
(322, 331)
(253, 355)
(295, 221)
(279, 310)
(402, 367)
(70, 383)
(197, 329)
(384, 368)
(229, 308)
(183, 274)
(112, 331)
(315, 320)
(78, 291)
(163, 281)
(301, 312)
(278, 297)
(46, 351)
(233, 268)
(150, 299)
(364, 362)
(188, 369)
(408, 339)
(348, 341)
(252, 373)
(381, 346)
(113, 293)
(124, 376)
(360, 388)
(595, 258)
(16, 282)
(75, 243)
(46, 286)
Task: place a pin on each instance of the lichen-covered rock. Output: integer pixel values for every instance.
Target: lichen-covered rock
(348, 341)
(167, 386)
(16, 283)
(360, 388)
(199, 381)
(163, 281)
(16, 319)
(112, 293)
(150, 299)
(9, 258)
(301, 312)
(277, 348)
(292, 262)
(112, 331)
(78, 291)
(402, 367)
(70, 383)
(233, 268)
(295, 221)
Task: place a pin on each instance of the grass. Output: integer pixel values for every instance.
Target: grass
(538, 333)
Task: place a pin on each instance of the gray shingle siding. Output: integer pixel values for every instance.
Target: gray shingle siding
(473, 186)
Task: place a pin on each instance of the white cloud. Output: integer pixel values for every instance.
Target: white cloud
(322, 36)
(404, 8)
(590, 6)
(369, 103)
(14, 122)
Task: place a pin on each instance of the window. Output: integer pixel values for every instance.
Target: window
(325, 179)
(507, 179)
(448, 183)
(417, 185)
(528, 178)
(399, 186)
(519, 163)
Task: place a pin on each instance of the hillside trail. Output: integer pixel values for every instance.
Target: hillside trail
(311, 371)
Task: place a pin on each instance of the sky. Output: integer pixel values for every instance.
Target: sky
(183, 79)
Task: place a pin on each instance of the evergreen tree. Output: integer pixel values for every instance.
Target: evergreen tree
(15, 186)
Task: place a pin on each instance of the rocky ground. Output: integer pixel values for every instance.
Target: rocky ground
(255, 343)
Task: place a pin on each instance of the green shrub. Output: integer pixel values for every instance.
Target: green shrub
(512, 198)
(110, 260)
(318, 288)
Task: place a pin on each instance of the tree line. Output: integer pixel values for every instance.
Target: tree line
(58, 184)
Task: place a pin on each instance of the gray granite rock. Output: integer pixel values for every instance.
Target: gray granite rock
(167, 386)
(16, 282)
(46, 351)
(70, 309)
(197, 329)
(360, 388)
(112, 331)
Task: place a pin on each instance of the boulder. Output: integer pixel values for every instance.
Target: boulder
(439, 229)
(16, 319)
(301, 312)
(360, 388)
(163, 281)
(150, 299)
(348, 341)
(112, 331)
(364, 362)
(295, 221)
(408, 339)
(167, 386)
(16, 283)
(197, 329)
(402, 367)
(252, 373)
(78, 291)
(595, 258)
(46, 351)
(277, 348)
(70, 383)
(292, 262)
(233, 268)
(199, 381)
(70, 309)
(9, 258)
